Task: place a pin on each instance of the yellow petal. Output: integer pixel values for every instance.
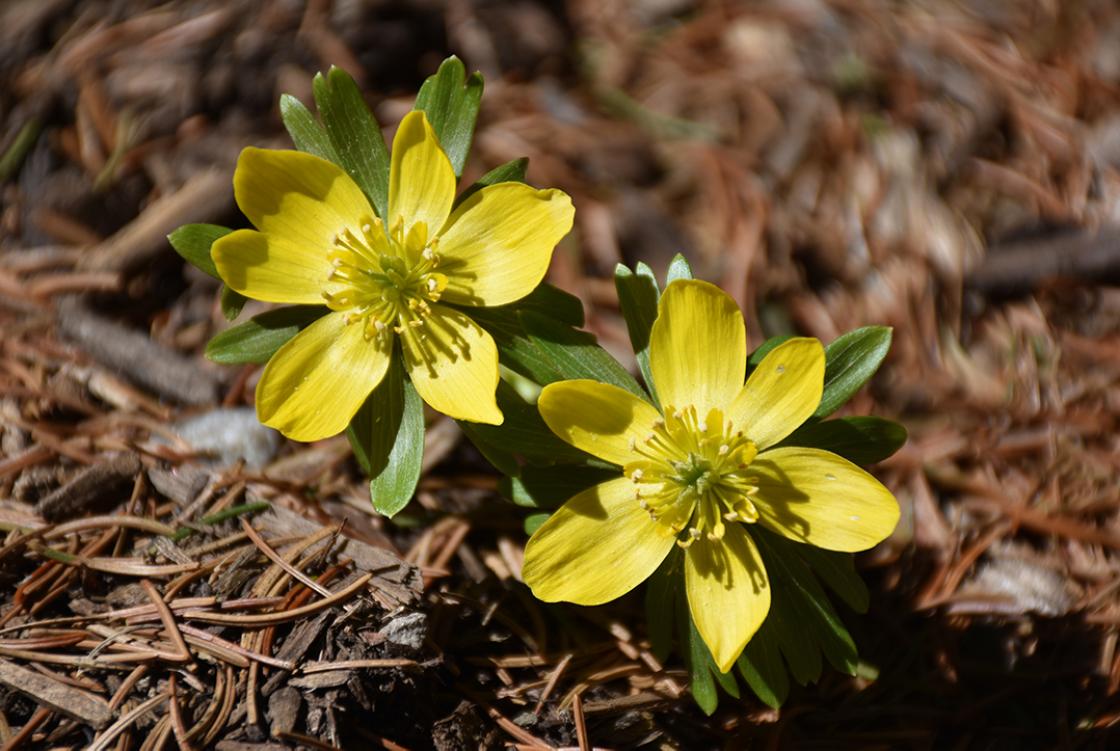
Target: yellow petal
(453, 364)
(596, 547)
(498, 243)
(598, 418)
(316, 382)
(814, 496)
(698, 347)
(299, 198)
(421, 180)
(782, 392)
(728, 592)
(270, 267)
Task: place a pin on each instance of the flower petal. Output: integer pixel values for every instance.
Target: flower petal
(598, 418)
(316, 382)
(498, 243)
(453, 364)
(298, 197)
(270, 267)
(698, 347)
(814, 496)
(782, 392)
(728, 592)
(596, 547)
(421, 180)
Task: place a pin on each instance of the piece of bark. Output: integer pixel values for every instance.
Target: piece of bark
(1018, 266)
(204, 197)
(295, 646)
(76, 704)
(37, 481)
(135, 356)
(283, 710)
(320, 681)
(94, 490)
(181, 484)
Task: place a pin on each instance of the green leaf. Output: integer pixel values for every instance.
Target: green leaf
(802, 655)
(451, 100)
(703, 674)
(802, 624)
(662, 591)
(504, 324)
(838, 572)
(257, 339)
(576, 354)
(696, 659)
(511, 172)
(762, 668)
(815, 609)
(355, 135)
(387, 435)
(306, 132)
(850, 361)
(518, 350)
(232, 303)
(549, 301)
(523, 433)
(502, 460)
(861, 440)
(764, 349)
(679, 268)
(193, 241)
(548, 487)
(637, 298)
(805, 623)
(533, 522)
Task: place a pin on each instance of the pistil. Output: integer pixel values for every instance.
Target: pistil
(386, 280)
(693, 475)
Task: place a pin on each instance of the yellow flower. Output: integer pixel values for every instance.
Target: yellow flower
(318, 241)
(700, 473)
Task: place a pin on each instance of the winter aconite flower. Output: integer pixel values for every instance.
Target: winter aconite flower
(408, 276)
(701, 473)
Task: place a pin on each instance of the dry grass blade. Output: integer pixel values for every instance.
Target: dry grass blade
(275, 558)
(102, 741)
(272, 619)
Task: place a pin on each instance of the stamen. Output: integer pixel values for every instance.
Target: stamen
(388, 279)
(693, 473)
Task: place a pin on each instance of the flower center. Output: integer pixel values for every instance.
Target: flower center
(693, 474)
(385, 280)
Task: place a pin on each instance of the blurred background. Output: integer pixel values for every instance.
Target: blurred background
(950, 168)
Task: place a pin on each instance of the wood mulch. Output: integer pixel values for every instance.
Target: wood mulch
(172, 574)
